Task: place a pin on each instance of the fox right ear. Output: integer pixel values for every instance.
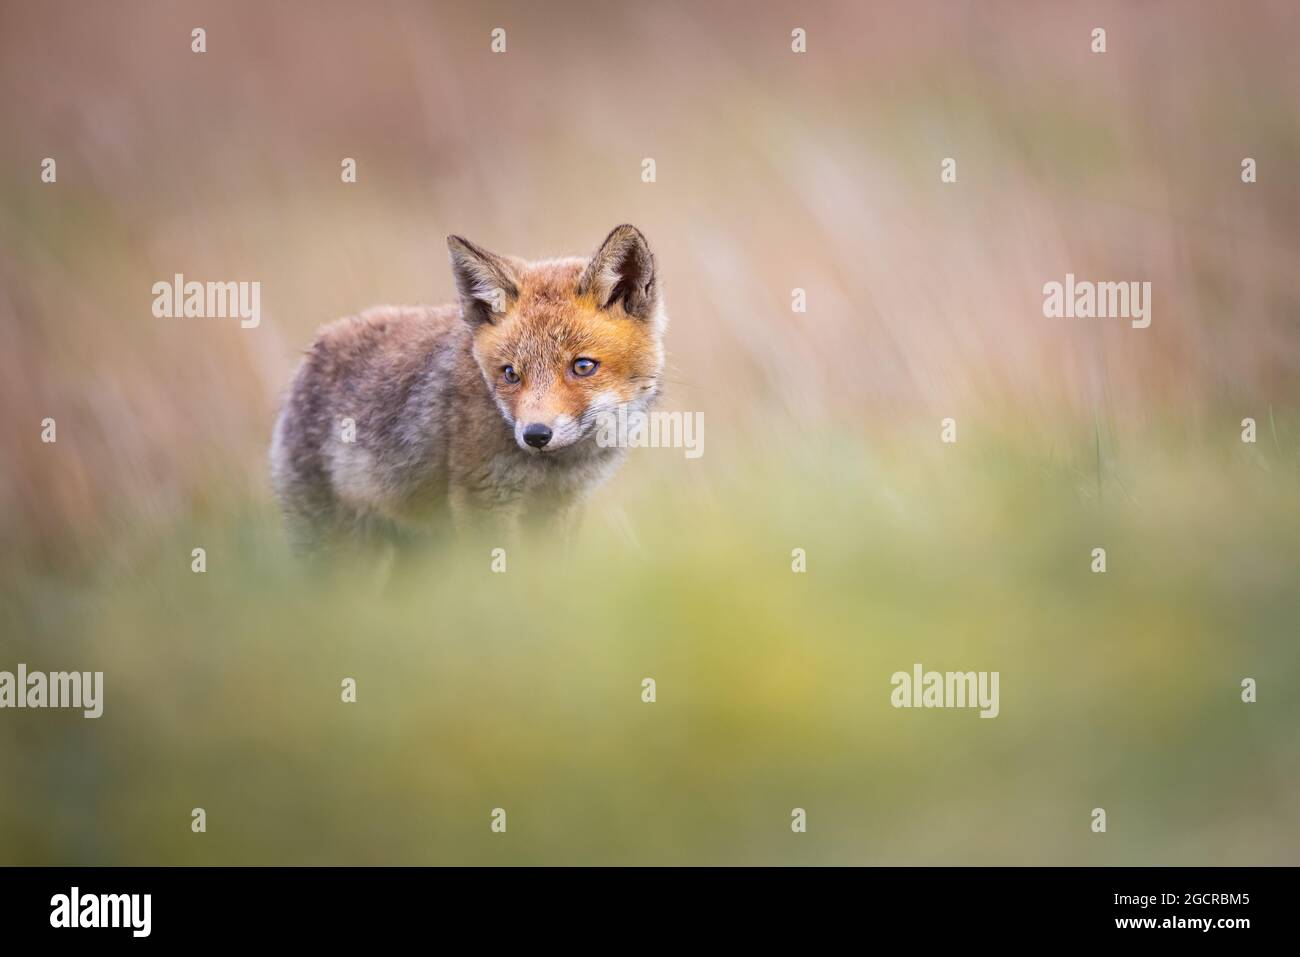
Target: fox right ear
(623, 271)
(485, 281)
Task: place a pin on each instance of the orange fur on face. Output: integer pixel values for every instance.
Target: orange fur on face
(547, 328)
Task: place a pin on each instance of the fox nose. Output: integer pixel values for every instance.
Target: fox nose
(537, 435)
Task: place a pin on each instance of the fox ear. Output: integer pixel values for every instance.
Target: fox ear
(486, 282)
(623, 271)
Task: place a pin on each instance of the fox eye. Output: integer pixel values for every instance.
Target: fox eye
(509, 374)
(584, 367)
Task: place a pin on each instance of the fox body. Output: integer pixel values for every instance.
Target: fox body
(485, 412)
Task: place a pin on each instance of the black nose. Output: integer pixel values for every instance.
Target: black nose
(537, 434)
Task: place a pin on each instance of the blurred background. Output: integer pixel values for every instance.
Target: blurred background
(775, 171)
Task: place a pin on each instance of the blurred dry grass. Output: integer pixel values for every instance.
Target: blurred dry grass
(774, 171)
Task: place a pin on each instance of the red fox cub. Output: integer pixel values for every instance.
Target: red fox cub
(485, 412)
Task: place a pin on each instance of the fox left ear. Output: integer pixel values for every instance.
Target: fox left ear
(623, 271)
(486, 282)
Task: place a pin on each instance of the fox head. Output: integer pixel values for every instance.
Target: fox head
(563, 342)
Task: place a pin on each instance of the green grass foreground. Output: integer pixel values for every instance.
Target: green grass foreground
(523, 690)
